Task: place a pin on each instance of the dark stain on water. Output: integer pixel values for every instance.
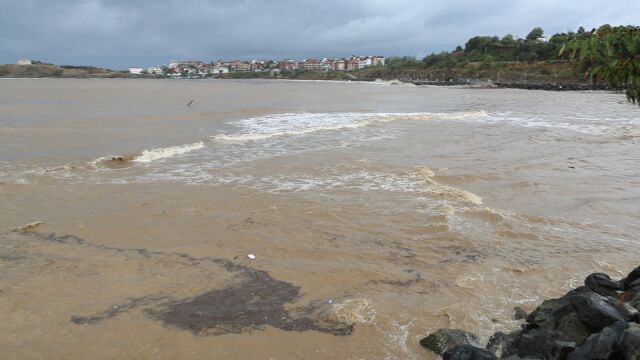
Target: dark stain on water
(256, 302)
(253, 301)
(116, 310)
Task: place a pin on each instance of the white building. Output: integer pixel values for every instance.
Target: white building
(153, 70)
(220, 69)
(23, 62)
(364, 62)
(136, 70)
(378, 61)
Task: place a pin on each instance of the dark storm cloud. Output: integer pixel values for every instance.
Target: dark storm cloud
(119, 33)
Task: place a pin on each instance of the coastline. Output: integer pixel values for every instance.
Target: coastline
(476, 84)
(599, 320)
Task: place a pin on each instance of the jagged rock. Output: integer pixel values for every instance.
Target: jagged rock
(635, 301)
(558, 350)
(519, 313)
(542, 316)
(600, 346)
(629, 343)
(447, 339)
(633, 284)
(468, 352)
(573, 329)
(632, 278)
(502, 344)
(597, 311)
(602, 284)
(533, 342)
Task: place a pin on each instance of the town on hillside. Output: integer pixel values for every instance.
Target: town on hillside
(194, 68)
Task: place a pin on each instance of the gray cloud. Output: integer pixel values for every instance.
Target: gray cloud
(119, 33)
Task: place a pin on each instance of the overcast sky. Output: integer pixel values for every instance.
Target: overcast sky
(122, 33)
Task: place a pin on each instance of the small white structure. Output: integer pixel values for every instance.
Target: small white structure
(23, 62)
(136, 70)
(220, 70)
(154, 70)
(364, 62)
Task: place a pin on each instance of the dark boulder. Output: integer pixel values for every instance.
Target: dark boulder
(557, 350)
(503, 344)
(633, 284)
(602, 284)
(560, 314)
(519, 313)
(468, 352)
(447, 339)
(532, 343)
(635, 301)
(542, 316)
(573, 329)
(629, 344)
(632, 278)
(552, 311)
(597, 311)
(600, 346)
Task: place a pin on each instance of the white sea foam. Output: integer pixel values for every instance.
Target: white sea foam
(163, 153)
(295, 124)
(146, 156)
(614, 127)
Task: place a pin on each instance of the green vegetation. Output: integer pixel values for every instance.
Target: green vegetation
(611, 54)
(507, 59)
(30, 71)
(40, 70)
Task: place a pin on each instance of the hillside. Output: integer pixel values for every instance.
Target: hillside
(65, 71)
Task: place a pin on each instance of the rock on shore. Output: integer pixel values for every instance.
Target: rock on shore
(600, 320)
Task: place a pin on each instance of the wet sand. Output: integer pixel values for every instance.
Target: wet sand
(376, 214)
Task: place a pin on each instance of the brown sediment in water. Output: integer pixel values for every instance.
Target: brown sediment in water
(348, 225)
(258, 301)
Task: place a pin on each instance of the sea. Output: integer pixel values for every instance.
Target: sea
(273, 219)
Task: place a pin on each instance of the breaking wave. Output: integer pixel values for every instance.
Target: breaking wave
(163, 153)
(292, 124)
(147, 156)
(622, 128)
(280, 125)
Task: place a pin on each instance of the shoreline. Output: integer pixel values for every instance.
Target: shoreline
(599, 320)
(480, 84)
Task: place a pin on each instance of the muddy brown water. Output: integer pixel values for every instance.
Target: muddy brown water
(375, 214)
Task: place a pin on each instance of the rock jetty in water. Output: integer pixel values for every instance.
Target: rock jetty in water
(597, 321)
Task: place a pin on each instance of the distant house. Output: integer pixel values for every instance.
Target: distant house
(378, 60)
(218, 69)
(136, 70)
(24, 62)
(364, 62)
(312, 64)
(153, 70)
(353, 63)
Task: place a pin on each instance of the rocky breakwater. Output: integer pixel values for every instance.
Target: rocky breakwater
(599, 320)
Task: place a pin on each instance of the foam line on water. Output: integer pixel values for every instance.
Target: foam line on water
(295, 124)
(168, 152)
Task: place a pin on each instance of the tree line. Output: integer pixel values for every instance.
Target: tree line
(489, 49)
